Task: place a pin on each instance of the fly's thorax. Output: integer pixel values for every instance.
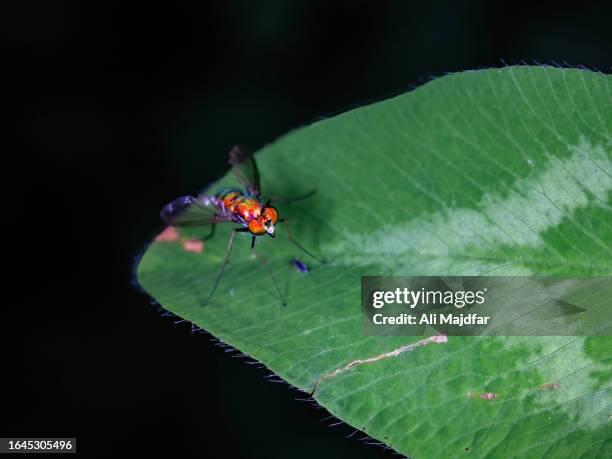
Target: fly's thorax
(246, 207)
(242, 208)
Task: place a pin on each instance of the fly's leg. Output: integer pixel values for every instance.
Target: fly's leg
(264, 262)
(297, 244)
(225, 260)
(211, 234)
(283, 200)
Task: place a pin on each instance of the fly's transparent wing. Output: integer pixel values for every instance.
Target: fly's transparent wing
(245, 169)
(190, 211)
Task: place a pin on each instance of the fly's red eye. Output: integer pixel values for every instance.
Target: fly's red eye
(255, 227)
(271, 214)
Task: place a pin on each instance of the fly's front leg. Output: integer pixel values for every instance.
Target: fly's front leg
(264, 262)
(297, 244)
(225, 260)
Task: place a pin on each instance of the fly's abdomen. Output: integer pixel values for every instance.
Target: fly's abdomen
(227, 199)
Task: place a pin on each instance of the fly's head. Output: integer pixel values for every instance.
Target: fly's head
(265, 223)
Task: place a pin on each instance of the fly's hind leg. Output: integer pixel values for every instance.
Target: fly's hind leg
(213, 227)
(264, 262)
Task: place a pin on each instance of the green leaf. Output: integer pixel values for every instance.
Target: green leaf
(504, 171)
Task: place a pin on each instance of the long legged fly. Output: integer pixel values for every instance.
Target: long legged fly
(232, 205)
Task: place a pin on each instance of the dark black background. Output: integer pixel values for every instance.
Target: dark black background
(120, 107)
